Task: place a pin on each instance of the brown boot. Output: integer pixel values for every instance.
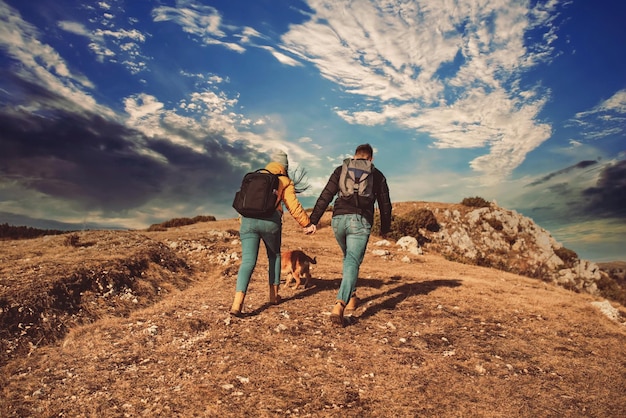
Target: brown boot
(336, 316)
(274, 296)
(353, 303)
(235, 310)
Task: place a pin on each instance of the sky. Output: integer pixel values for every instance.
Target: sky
(122, 114)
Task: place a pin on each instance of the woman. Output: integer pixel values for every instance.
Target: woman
(253, 230)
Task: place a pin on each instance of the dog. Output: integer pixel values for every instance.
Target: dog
(296, 263)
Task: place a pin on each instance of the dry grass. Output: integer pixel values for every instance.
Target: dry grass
(431, 338)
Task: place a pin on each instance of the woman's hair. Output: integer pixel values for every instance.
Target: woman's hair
(298, 176)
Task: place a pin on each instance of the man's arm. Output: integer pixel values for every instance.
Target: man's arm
(327, 196)
(384, 205)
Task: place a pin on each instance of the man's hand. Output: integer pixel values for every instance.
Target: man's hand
(310, 229)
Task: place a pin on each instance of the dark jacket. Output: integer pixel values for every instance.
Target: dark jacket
(346, 206)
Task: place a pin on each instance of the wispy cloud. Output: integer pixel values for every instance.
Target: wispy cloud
(450, 72)
(282, 58)
(204, 22)
(40, 65)
(110, 43)
(616, 103)
(550, 176)
(606, 119)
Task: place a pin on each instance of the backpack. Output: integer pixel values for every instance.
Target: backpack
(356, 181)
(257, 195)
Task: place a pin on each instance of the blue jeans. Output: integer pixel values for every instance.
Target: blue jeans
(352, 233)
(251, 232)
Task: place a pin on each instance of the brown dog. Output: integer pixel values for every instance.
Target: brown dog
(296, 263)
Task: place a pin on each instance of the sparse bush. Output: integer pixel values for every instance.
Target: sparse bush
(475, 202)
(72, 240)
(176, 222)
(568, 256)
(409, 224)
(156, 228)
(203, 218)
(611, 289)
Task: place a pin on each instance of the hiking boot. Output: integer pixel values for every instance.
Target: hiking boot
(336, 316)
(235, 310)
(353, 303)
(274, 296)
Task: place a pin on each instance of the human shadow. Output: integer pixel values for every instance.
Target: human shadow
(389, 299)
(302, 292)
(392, 296)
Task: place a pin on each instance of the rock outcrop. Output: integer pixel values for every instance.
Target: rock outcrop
(504, 239)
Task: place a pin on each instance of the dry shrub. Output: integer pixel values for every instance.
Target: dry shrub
(156, 228)
(409, 224)
(177, 222)
(48, 308)
(72, 240)
(611, 289)
(568, 256)
(475, 202)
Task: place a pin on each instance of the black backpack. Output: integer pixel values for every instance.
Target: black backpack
(257, 197)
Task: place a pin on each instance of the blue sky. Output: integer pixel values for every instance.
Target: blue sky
(128, 113)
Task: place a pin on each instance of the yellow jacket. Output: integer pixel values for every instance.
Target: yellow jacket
(287, 194)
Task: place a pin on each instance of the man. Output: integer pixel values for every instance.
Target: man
(359, 185)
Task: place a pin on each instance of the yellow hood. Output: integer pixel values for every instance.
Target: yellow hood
(276, 168)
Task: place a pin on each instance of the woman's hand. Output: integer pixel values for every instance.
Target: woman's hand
(310, 229)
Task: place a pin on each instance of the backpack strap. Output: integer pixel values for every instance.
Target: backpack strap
(278, 200)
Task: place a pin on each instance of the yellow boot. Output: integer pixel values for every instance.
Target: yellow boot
(274, 296)
(235, 310)
(353, 303)
(336, 316)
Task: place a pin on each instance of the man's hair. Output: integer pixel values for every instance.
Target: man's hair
(364, 150)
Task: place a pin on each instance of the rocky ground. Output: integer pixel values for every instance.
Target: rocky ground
(135, 323)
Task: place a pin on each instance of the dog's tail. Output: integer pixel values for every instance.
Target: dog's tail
(312, 260)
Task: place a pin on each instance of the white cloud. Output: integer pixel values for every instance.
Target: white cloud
(282, 58)
(40, 63)
(109, 43)
(202, 115)
(248, 33)
(202, 21)
(206, 23)
(448, 71)
(76, 28)
(608, 118)
(615, 103)
(132, 34)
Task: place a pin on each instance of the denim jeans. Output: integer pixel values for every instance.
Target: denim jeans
(251, 232)
(352, 233)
